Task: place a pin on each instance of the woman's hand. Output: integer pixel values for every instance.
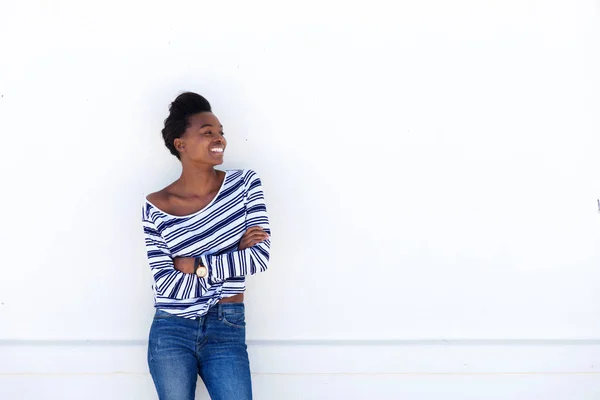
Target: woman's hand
(184, 264)
(253, 235)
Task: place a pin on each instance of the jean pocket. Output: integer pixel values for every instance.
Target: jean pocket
(160, 314)
(234, 318)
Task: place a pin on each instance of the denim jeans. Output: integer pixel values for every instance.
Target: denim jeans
(212, 346)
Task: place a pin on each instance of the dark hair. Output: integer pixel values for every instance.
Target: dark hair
(180, 111)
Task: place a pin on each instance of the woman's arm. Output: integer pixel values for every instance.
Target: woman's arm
(244, 261)
(169, 282)
(252, 236)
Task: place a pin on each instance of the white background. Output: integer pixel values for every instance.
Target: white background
(431, 171)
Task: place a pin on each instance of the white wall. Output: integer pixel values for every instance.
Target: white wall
(431, 173)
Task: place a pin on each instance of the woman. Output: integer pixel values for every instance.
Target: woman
(204, 234)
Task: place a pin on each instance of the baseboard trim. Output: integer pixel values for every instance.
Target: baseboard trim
(327, 342)
(466, 356)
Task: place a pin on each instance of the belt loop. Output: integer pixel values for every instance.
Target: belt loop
(220, 311)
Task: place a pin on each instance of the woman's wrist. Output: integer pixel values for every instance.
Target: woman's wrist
(199, 269)
(184, 264)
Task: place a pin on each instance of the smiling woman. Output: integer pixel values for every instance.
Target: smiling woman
(204, 234)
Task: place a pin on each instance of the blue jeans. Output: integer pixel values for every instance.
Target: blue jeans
(212, 346)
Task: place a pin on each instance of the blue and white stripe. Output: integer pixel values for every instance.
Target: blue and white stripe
(212, 234)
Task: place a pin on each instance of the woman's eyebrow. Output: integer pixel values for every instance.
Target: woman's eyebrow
(208, 125)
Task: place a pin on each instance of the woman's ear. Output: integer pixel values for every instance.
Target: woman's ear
(179, 145)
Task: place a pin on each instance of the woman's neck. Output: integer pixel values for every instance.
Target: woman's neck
(199, 180)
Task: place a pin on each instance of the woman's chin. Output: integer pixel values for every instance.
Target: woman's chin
(217, 159)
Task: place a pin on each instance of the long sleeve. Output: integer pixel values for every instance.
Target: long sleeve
(169, 283)
(253, 259)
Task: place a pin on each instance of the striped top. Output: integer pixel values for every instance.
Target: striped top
(212, 234)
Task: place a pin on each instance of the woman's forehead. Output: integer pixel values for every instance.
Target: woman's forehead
(204, 118)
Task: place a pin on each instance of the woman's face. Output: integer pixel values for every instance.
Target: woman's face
(203, 140)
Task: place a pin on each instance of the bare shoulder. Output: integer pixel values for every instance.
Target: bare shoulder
(161, 199)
